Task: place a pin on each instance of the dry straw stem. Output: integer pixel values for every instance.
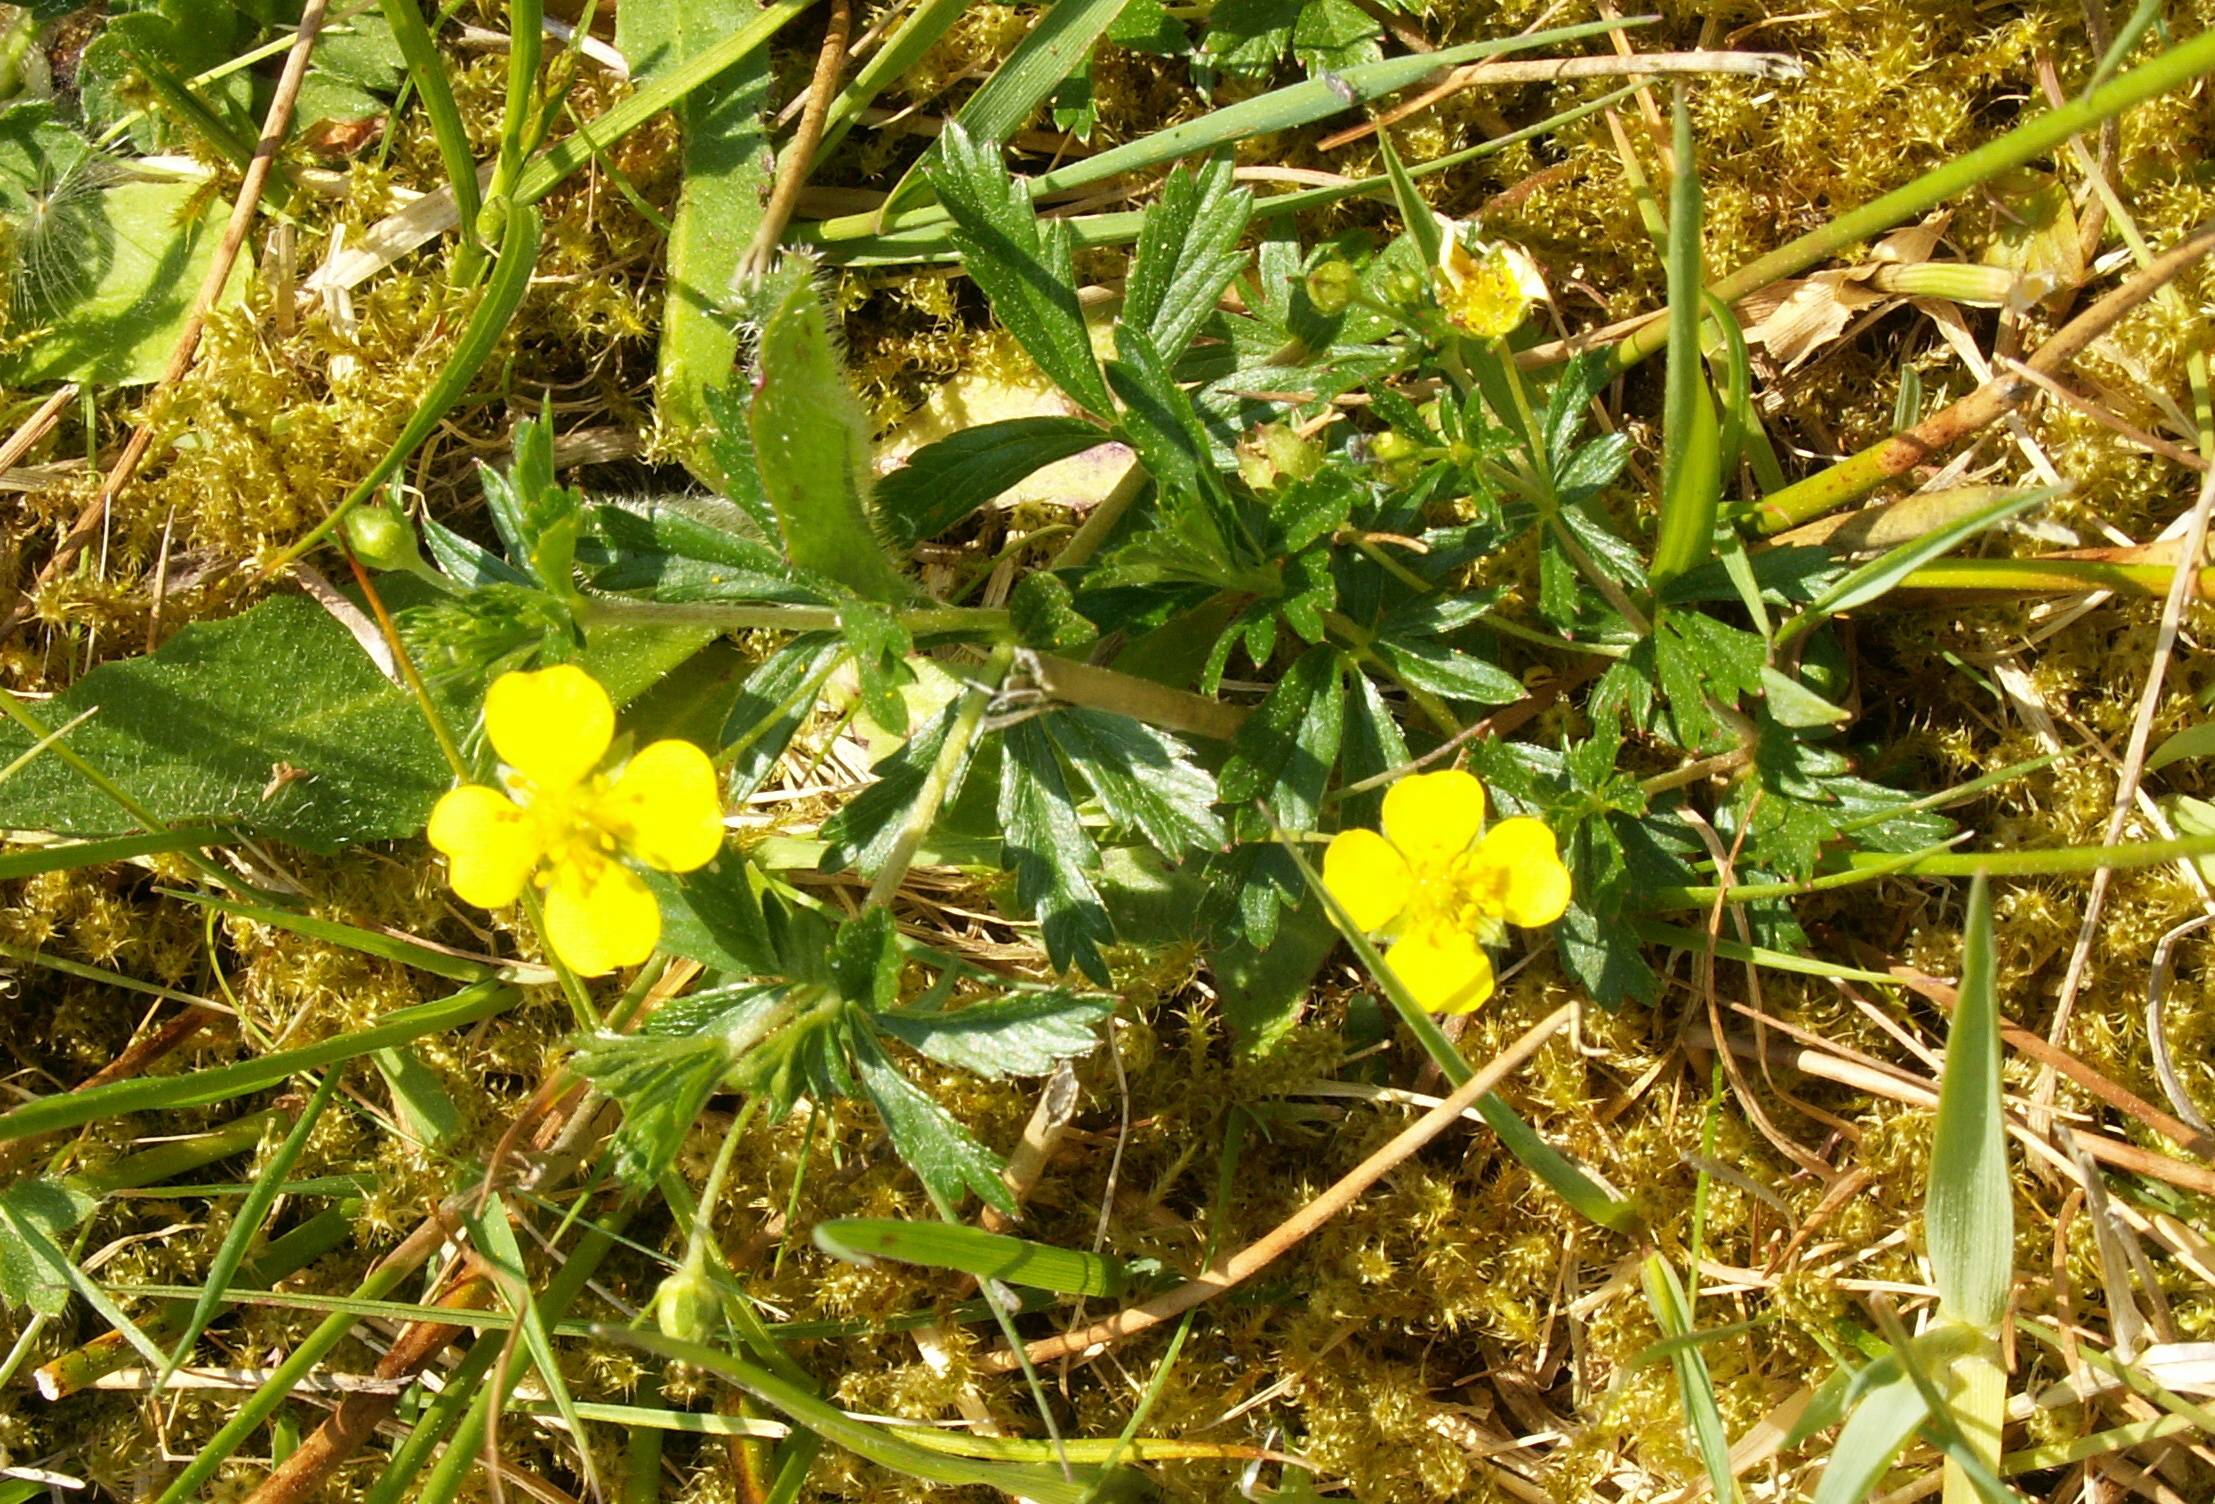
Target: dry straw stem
(274, 126)
(1227, 1273)
(1864, 472)
(2134, 761)
(1545, 70)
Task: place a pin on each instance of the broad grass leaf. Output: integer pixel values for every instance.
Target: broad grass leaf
(1969, 1215)
(1695, 1386)
(972, 1250)
(198, 731)
(726, 178)
(1873, 1435)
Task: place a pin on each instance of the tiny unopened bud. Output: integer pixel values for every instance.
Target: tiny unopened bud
(1274, 453)
(1397, 455)
(1404, 288)
(686, 1304)
(1331, 287)
(382, 539)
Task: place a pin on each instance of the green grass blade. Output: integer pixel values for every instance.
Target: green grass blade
(1880, 576)
(368, 942)
(1969, 1217)
(726, 181)
(876, 1444)
(914, 37)
(1415, 214)
(147, 1094)
(44, 1250)
(2181, 65)
(1691, 444)
(1872, 1436)
(1695, 1386)
(553, 166)
(71, 854)
(247, 1224)
(1697, 941)
(1278, 110)
(103, 976)
(940, 1245)
(495, 1241)
(427, 69)
(1058, 44)
(496, 306)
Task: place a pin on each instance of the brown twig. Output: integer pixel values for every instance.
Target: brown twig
(34, 428)
(358, 1415)
(1226, 1273)
(1986, 405)
(274, 126)
(799, 152)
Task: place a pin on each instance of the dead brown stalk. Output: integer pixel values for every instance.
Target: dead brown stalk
(1227, 1273)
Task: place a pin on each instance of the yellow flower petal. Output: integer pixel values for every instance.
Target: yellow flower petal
(1368, 877)
(1433, 817)
(1536, 886)
(490, 845)
(1443, 968)
(665, 807)
(551, 726)
(600, 915)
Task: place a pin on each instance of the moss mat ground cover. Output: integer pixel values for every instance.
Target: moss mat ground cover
(781, 754)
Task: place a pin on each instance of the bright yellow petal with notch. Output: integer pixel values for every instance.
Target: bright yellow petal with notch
(490, 845)
(551, 726)
(1444, 969)
(1433, 817)
(1368, 878)
(1537, 886)
(600, 915)
(666, 808)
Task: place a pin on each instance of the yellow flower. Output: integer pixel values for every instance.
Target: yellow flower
(1485, 289)
(1437, 885)
(557, 822)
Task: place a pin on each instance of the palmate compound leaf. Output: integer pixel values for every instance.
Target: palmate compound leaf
(204, 729)
(1187, 254)
(662, 1079)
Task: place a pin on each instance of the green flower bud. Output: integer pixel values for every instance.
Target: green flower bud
(686, 1304)
(1397, 455)
(1406, 288)
(382, 539)
(1274, 453)
(1331, 287)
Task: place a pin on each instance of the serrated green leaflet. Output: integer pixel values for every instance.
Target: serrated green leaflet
(944, 482)
(200, 730)
(971, 1250)
(1187, 254)
(1053, 856)
(1021, 262)
(942, 1153)
(1020, 1034)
